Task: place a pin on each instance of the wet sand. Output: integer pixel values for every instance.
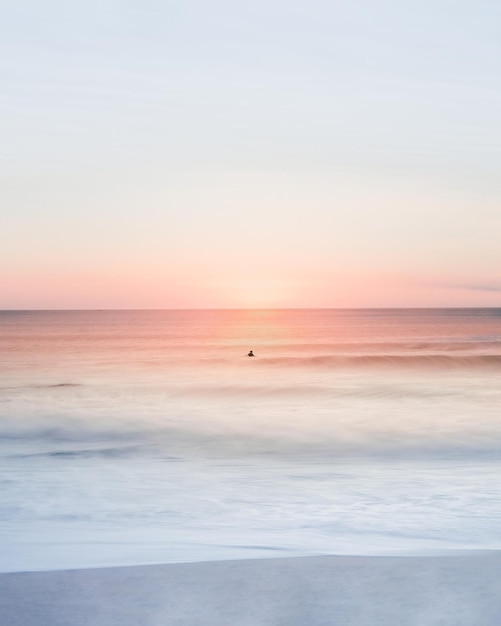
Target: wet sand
(463, 589)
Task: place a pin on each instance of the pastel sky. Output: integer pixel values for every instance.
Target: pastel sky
(196, 153)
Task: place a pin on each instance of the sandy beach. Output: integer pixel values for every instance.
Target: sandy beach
(462, 589)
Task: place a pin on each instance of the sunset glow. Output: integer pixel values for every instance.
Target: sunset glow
(250, 313)
(171, 157)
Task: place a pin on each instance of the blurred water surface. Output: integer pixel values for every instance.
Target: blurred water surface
(150, 436)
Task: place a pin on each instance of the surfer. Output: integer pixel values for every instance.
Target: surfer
(251, 353)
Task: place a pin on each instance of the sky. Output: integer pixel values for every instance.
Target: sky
(217, 154)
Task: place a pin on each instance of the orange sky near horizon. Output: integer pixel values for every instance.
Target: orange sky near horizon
(105, 290)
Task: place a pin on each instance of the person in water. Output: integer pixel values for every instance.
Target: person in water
(251, 353)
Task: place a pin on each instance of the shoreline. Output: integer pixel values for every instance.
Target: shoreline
(280, 555)
(456, 589)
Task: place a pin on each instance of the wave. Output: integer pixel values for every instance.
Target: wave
(109, 452)
(178, 445)
(480, 344)
(388, 360)
(42, 386)
(60, 385)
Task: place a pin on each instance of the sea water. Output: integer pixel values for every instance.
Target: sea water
(150, 436)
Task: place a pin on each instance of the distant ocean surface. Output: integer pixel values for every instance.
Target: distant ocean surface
(149, 436)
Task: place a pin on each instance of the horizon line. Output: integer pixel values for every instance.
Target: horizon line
(359, 308)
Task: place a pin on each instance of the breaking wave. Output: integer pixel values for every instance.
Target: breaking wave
(389, 360)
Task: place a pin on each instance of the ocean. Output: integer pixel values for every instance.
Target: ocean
(133, 437)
